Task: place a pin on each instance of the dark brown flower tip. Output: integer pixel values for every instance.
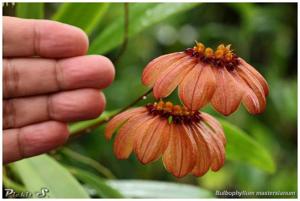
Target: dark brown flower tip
(222, 57)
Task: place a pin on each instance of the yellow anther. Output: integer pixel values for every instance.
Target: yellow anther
(219, 53)
(199, 47)
(168, 106)
(184, 108)
(221, 47)
(177, 110)
(209, 52)
(160, 105)
(185, 111)
(228, 56)
(228, 47)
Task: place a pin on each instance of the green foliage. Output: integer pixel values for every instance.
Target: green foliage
(97, 183)
(142, 16)
(43, 171)
(241, 147)
(8, 183)
(153, 189)
(84, 15)
(88, 161)
(30, 10)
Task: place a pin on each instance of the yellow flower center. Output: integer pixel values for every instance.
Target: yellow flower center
(179, 114)
(222, 56)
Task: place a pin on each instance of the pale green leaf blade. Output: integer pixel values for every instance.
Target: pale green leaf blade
(241, 147)
(45, 172)
(141, 17)
(30, 10)
(157, 189)
(84, 15)
(97, 183)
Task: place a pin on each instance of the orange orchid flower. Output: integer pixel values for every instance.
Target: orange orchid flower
(206, 76)
(188, 141)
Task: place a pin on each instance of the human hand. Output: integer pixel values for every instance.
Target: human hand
(47, 81)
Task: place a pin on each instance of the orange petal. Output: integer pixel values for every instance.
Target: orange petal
(171, 77)
(203, 158)
(250, 101)
(179, 157)
(215, 126)
(256, 74)
(228, 94)
(159, 65)
(125, 138)
(198, 87)
(207, 138)
(113, 124)
(153, 142)
(217, 147)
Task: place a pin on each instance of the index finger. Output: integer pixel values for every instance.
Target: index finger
(45, 38)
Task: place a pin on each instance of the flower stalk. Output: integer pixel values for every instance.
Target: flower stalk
(83, 127)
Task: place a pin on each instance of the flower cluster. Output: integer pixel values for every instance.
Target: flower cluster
(204, 75)
(188, 140)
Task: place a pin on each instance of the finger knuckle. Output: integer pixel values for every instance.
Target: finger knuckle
(11, 79)
(9, 114)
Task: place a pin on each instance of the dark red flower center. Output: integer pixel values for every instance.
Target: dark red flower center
(174, 113)
(222, 57)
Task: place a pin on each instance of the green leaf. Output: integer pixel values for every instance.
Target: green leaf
(45, 172)
(96, 182)
(8, 183)
(88, 161)
(140, 17)
(156, 189)
(30, 10)
(84, 15)
(241, 147)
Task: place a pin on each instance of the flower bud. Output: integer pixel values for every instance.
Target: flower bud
(209, 52)
(219, 54)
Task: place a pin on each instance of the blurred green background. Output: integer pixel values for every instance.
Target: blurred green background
(261, 150)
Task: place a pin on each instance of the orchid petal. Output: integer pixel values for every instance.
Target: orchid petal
(179, 157)
(171, 77)
(203, 157)
(150, 145)
(255, 94)
(215, 126)
(198, 87)
(158, 66)
(119, 119)
(255, 73)
(127, 134)
(217, 147)
(228, 94)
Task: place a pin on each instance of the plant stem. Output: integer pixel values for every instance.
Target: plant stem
(79, 131)
(133, 103)
(125, 38)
